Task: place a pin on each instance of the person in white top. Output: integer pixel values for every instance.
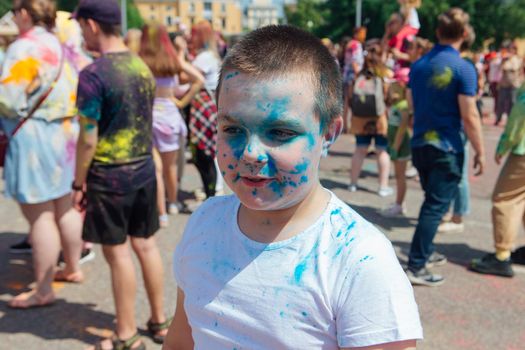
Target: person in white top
(283, 263)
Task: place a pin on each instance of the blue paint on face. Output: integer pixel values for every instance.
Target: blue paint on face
(237, 144)
(232, 75)
(311, 141)
(261, 158)
(300, 168)
(231, 167)
(254, 192)
(278, 108)
(304, 179)
(304, 313)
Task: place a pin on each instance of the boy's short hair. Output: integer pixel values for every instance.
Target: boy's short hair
(276, 50)
(452, 24)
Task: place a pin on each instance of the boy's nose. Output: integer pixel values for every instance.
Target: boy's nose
(255, 151)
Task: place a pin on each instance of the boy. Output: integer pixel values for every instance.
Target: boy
(115, 173)
(284, 264)
(398, 144)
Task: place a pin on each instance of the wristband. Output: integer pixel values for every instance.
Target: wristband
(77, 188)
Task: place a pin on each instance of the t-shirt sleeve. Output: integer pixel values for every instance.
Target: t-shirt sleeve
(468, 80)
(376, 304)
(89, 95)
(202, 63)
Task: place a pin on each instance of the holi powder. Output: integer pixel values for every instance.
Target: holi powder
(305, 264)
(22, 71)
(231, 75)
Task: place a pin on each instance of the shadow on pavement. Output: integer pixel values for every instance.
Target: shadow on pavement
(457, 253)
(62, 320)
(332, 184)
(372, 214)
(340, 154)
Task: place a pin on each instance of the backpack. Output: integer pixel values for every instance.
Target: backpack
(368, 98)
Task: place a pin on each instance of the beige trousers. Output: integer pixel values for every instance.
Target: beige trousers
(508, 202)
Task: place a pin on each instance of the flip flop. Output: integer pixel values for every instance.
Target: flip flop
(31, 299)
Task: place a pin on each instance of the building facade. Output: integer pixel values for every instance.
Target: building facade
(224, 15)
(261, 13)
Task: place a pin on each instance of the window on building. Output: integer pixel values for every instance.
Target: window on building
(192, 20)
(169, 21)
(192, 7)
(152, 8)
(168, 8)
(207, 6)
(223, 7)
(223, 23)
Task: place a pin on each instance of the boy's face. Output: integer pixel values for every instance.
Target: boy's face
(269, 140)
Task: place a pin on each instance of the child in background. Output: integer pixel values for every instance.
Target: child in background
(408, 9)
(366, 98)
(333, 279)
(398, 143)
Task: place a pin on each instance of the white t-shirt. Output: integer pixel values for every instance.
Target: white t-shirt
(336, 284)
(209, 64)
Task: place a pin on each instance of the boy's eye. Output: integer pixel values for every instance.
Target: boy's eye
(282, 134)
(232, 130)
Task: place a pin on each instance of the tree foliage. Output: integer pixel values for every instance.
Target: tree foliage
(497, 19)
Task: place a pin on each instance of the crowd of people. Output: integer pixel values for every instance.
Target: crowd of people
(97, 128)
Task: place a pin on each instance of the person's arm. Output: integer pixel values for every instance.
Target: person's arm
(197, 82)
(398, 345)
(514, 130)
(86, 146)
(179, 334)
(472, 126)
(401, 130)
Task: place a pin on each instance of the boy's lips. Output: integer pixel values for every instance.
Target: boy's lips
(256, 181)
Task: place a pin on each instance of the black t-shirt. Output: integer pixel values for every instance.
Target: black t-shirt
(117, 90)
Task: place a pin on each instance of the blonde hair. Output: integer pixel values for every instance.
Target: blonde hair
(42, 12)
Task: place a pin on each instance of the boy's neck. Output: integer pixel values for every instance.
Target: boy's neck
(278, 225)
(112, 44)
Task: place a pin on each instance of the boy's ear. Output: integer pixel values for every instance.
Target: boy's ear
(332, 133)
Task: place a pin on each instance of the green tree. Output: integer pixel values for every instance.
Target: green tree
(5, 5)
(134, 18)
(497, 19)
(306, 14)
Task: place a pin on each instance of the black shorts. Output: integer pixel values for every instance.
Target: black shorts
(111, 217)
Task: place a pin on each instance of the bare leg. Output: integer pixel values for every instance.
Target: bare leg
(69, 222)
(161, 194)
(400, 167)
(45, 240)
(357, 163)
(124, 286)
(383, 164)
(169, 169)
(153, 274)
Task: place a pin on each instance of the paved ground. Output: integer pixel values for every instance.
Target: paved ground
(469, 311)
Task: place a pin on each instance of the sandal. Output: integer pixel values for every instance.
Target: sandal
(155, 328)
(31, 299)
(119, 344)
(74, 277)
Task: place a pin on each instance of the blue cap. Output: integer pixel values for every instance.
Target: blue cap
(102, 11)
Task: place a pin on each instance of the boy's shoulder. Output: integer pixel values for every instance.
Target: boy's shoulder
(214, 208)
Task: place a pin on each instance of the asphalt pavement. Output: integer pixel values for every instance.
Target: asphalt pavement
(470, 311)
